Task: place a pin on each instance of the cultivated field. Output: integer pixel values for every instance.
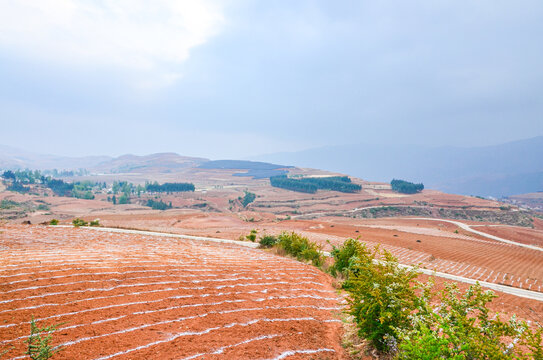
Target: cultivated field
(127, 296)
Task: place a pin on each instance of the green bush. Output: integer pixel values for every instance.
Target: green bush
(79, 222)
(462, 328)
(268, 241)
(252, 235)
(300, 247)
(381, 297)
(53, 222)
(94, 223)
(344, 256)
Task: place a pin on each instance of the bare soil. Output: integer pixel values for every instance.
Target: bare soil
(129, 296)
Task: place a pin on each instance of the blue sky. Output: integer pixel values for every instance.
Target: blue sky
(238, 78)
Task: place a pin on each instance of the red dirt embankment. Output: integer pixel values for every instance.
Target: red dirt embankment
(126, 296)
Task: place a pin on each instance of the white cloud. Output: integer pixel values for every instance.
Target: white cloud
(151, 37)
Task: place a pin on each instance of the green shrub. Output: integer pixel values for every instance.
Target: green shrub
(38, 342)
(252, 235)
(381, 297)
(300, 247)
(268, 241)
(462, 328)
(344, 256)
(79, 222)
(53, 222)
(94, 223)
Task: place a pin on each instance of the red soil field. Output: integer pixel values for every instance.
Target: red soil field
(127, 296)
(436, 245)
(515, 233)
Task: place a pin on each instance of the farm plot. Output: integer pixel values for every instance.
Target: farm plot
(126, 296)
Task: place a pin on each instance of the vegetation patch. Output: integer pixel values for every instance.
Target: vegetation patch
(311, 185)
(77, 222)
(406, 187)
(158, 205)
(38, 343)
(169, 187)
(404, 318)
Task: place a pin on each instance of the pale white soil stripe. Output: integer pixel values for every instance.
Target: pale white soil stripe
(190, 333)
(323, 308)
(221, 349)
(161, 290)
(145, 277)
(294, 352)
(156, 283)
(166, 309)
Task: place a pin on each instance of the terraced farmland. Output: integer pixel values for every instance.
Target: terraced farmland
(127, 296)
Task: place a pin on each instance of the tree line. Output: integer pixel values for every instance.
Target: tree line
(406, 187)
(311, 185)
(169, 187)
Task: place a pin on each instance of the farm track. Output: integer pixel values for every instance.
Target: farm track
(134, 296)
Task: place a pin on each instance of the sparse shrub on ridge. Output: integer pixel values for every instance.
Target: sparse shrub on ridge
(77, 222)
(252, 235)
(53, 222)
(95, 222)
(268, 241)
(300, 247)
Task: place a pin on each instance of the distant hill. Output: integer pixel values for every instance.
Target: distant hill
(500, 170)
(161, 162)
(13, 159)
(533, 201)
(256, 169)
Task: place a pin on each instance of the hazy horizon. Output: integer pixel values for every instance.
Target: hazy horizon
(237, 79)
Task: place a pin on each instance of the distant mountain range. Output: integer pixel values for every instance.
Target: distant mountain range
(500, 170)
(13, 158)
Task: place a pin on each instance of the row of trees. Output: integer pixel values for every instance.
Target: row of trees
(335, 183)
(293, 184)
(169, 187)
(406, 187)
(311, 185)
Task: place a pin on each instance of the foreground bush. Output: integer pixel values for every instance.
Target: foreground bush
(344, 256)
(382, 297)
(395, 313)
(461, 327)
(300, 247)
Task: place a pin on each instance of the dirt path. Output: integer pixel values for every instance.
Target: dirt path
(480, 233)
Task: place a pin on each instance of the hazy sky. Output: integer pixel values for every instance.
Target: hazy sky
(230, 79)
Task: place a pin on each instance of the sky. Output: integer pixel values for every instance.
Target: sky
(239, 78)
